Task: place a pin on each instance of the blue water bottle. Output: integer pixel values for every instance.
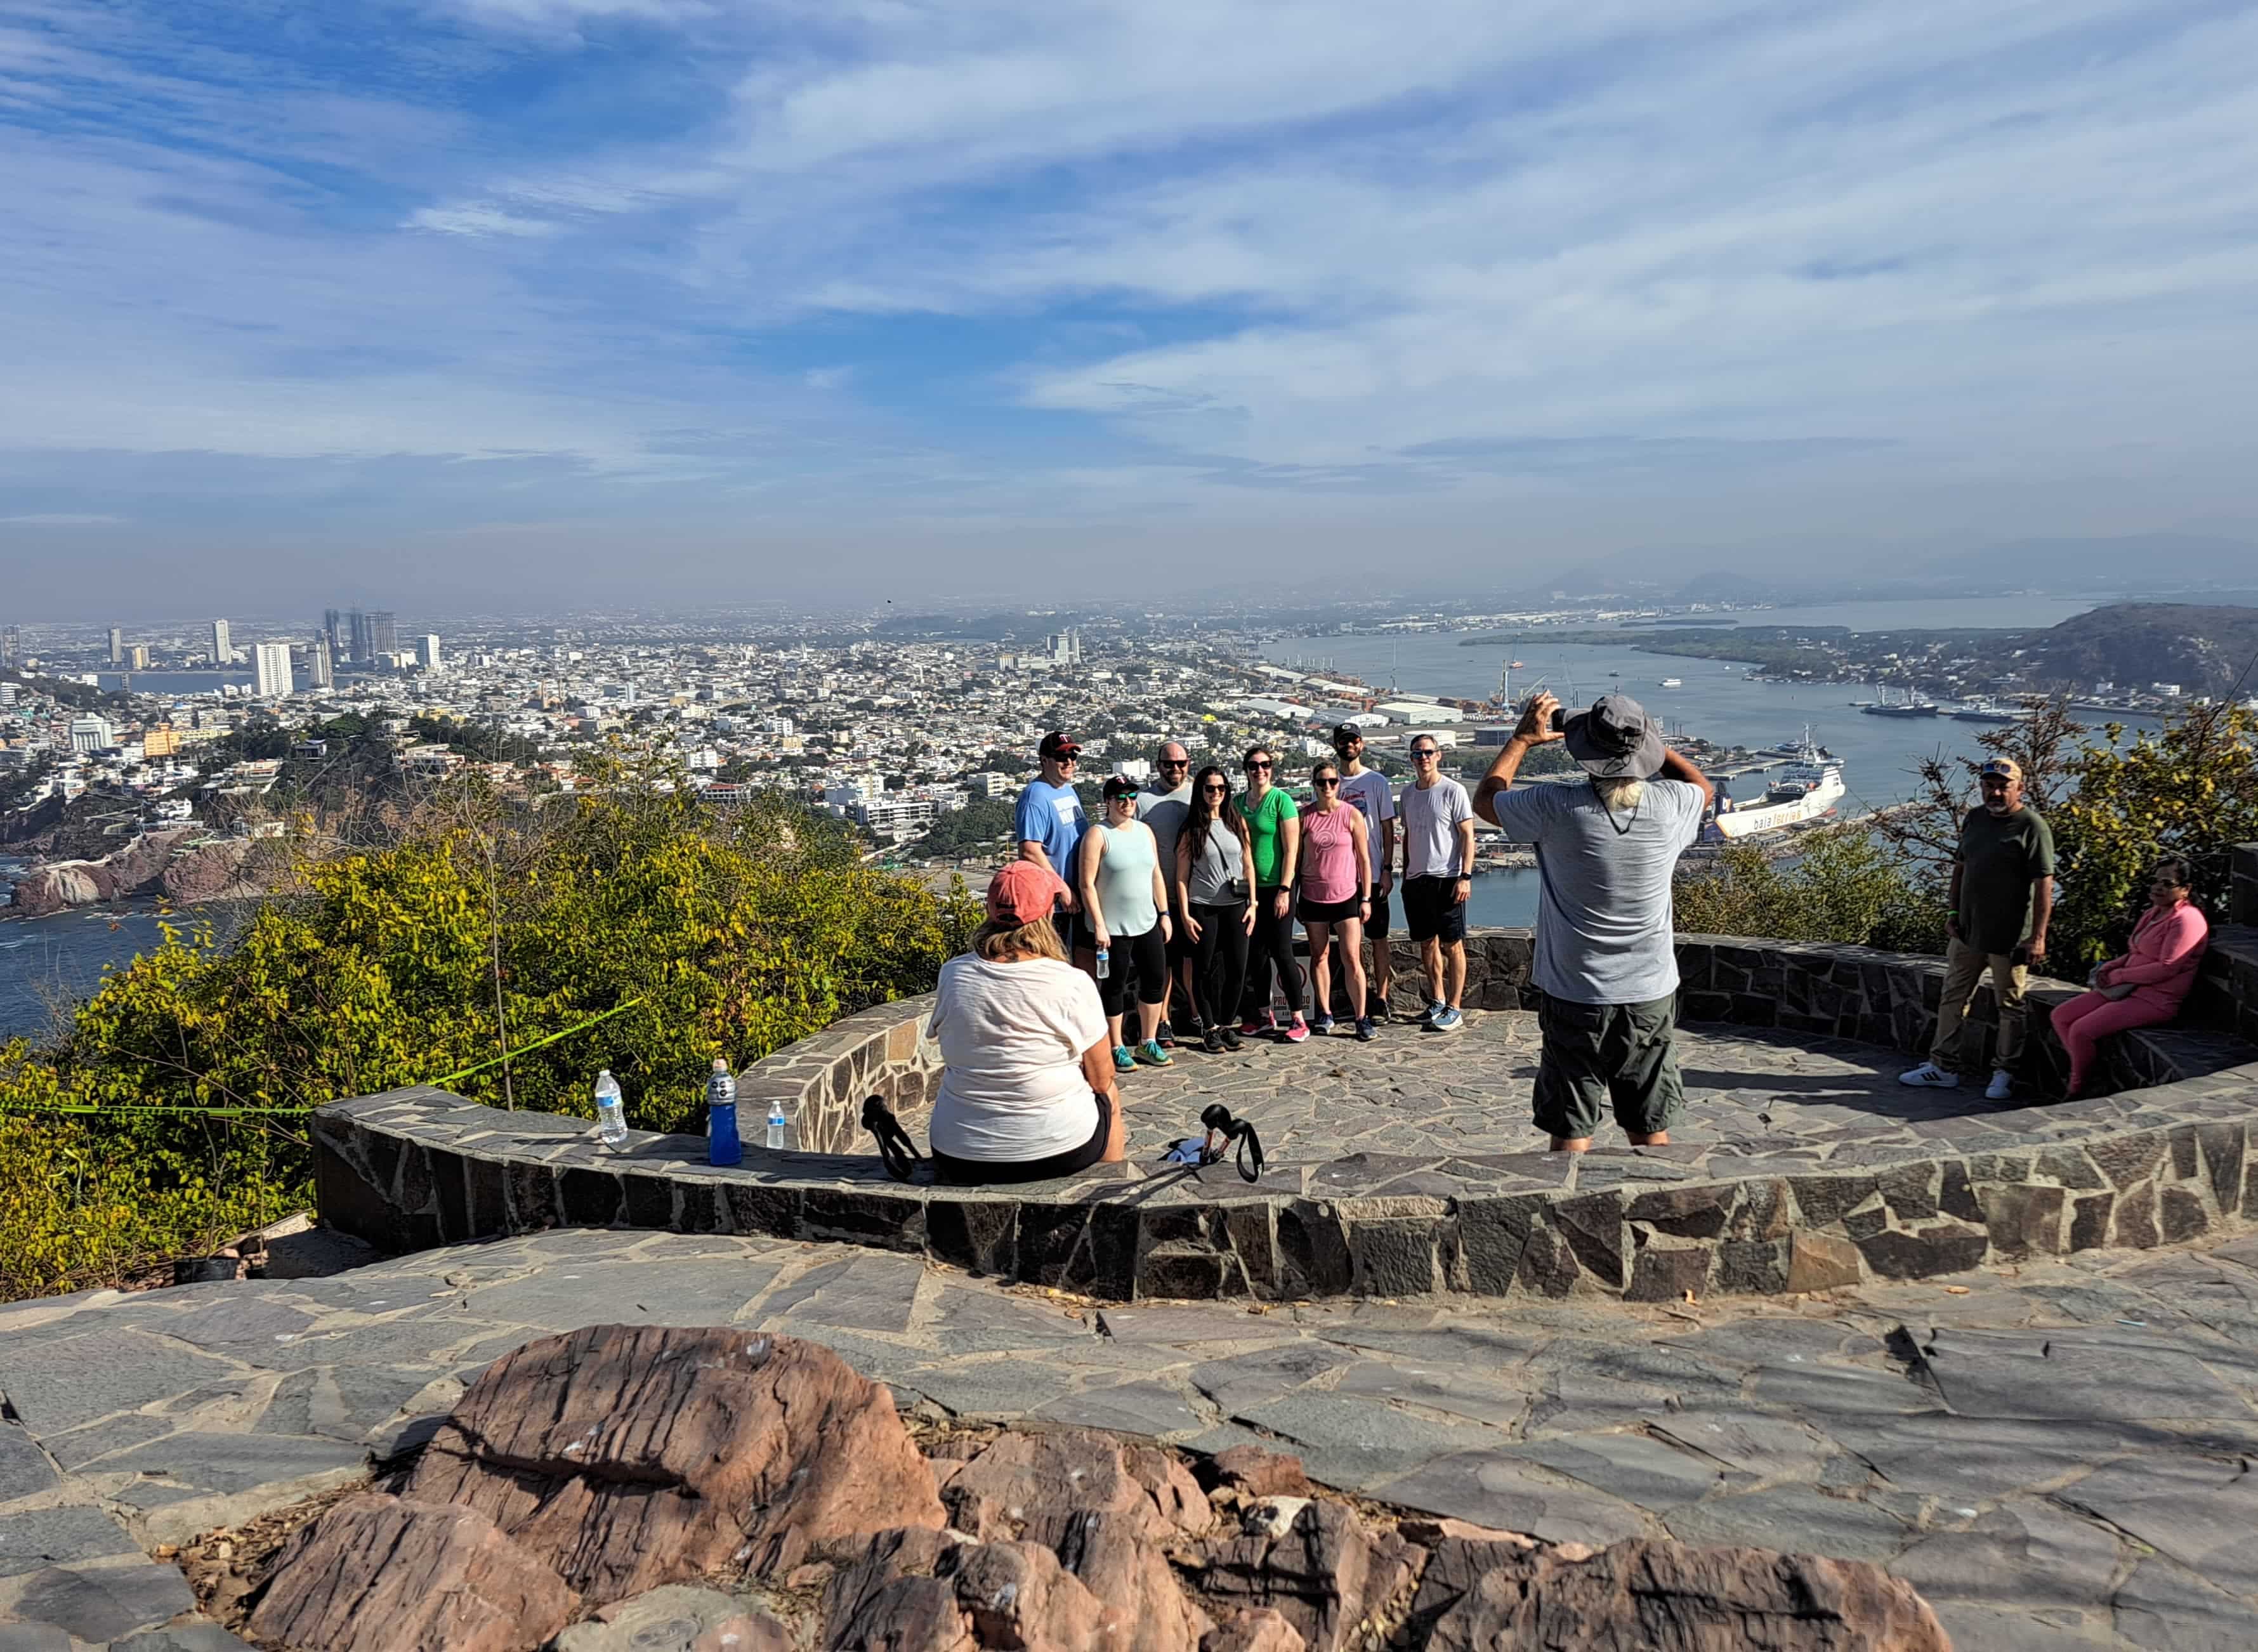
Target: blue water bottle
(722, 1146)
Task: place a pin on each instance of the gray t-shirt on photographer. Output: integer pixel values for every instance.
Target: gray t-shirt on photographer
(1604, 920)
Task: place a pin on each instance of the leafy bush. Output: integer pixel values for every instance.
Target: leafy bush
(1844, 885)
(471, 934)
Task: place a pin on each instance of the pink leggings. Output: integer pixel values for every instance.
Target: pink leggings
(2088, 1018)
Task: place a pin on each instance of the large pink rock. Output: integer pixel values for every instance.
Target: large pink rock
(387, 1574)
(626, 1457)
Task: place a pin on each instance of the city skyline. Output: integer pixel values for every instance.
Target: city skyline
(657, 301)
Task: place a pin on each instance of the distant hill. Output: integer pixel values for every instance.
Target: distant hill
(2202, 648)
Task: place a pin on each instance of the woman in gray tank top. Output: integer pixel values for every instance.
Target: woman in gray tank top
(1215, 880)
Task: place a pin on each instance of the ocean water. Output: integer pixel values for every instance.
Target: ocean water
(1717, 700)
(48, 964)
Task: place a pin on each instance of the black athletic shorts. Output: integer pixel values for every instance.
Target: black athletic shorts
(1429, 912)
(1311, 911)
(973, 1173)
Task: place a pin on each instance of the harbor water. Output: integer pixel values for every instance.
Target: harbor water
(1718, 700)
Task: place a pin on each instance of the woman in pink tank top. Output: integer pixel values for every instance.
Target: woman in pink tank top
(1336, 893)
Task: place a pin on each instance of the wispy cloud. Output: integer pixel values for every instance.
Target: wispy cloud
(1730, 266)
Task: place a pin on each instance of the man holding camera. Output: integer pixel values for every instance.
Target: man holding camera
(2002, 896)
(1606, 848)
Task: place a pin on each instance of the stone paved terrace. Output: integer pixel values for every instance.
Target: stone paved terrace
(2055, 1453)
(1408, 1164)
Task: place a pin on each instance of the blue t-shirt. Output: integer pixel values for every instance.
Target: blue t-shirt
(1053, 816)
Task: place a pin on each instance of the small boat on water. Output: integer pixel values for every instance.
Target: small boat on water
(1911, 705)
(1673, 682)
(1985, 712)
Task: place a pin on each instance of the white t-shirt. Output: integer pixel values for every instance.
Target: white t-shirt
(1011, 1037)
(1431, 827)
(1375, 800)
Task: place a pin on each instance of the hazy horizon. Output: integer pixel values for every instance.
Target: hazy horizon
(645, 302)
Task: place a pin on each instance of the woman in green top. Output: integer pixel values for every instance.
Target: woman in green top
(1274, 826)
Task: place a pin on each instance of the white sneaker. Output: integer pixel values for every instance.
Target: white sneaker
(2001, 1087)
(1930, 1076)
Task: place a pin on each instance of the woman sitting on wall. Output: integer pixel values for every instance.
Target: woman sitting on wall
(1027, 1090)
(2147, 986)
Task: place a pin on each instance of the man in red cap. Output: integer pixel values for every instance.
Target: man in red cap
(1050, 823)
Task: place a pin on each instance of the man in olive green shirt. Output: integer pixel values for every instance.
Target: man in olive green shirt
(2002, 897)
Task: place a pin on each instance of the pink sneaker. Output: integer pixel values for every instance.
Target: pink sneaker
(1298, 1032)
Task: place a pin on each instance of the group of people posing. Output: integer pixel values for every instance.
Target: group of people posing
(1189, 892)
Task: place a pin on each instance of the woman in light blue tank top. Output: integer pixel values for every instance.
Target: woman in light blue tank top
(1125, 906)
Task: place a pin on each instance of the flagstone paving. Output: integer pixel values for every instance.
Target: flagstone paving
(2056, 1455)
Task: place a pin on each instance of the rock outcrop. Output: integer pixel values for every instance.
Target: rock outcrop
(725, 1491)
(387, 1574)
(1478, 1594)
(626, 1457)
(220, 870)
(136, 869)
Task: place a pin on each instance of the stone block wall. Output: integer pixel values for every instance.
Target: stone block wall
(823, 1078)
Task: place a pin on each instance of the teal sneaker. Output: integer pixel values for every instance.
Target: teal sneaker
(1123, 1061)
(1152, 1054)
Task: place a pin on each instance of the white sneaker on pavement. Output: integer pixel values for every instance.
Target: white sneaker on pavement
(1930, 1076)
(2001, 1087)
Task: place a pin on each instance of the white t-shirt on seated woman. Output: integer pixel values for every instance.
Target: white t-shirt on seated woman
(1011, 1037)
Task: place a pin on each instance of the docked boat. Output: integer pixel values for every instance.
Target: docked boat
(1911, 705)
(1985, 712)
(1808, 789)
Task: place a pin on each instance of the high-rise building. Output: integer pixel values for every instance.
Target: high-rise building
(331, 619)
(271, 661)
(116, 646)
(221, 652)
(137, 656)
(92, 733)
(321, 663)
(427, 652)
(11, 645)
(358, 623)
(383, 632)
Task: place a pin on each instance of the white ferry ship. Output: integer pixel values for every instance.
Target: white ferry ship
(1807, 789)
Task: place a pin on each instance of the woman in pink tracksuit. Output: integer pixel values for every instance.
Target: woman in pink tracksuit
(2147, 986)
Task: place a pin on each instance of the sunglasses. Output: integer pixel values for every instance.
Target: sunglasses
(1216, 792)
(1327, 780)
(1258, 765)
(1424, 754)
(1176, 762)
(1064, 758)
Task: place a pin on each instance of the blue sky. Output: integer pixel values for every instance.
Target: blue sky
(656, 300)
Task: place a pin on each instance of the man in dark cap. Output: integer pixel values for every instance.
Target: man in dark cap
(1606, 848)
(1050, 822)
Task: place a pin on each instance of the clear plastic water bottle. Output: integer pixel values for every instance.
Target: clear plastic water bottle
(611, 1111)
(722, 1146)
(779, 1125)
(1105, 962)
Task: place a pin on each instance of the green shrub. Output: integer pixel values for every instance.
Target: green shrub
(471, 934)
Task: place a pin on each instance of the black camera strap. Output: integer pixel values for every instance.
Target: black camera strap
(895, 1147)
(1220, 1124)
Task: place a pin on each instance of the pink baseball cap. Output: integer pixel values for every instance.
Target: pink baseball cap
(1024, 891)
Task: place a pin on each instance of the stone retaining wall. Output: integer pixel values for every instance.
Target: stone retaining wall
(1847, 992)
(413, 1168)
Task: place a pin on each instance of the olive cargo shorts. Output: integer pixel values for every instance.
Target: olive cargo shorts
(1599, 1052)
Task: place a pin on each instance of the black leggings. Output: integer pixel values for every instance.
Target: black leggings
(1273, 949)
(1141, 958)
(1219, 962)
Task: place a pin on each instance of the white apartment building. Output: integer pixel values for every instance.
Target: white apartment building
(271, 666)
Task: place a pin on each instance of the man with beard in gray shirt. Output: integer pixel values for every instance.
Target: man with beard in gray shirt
(1607, 846)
